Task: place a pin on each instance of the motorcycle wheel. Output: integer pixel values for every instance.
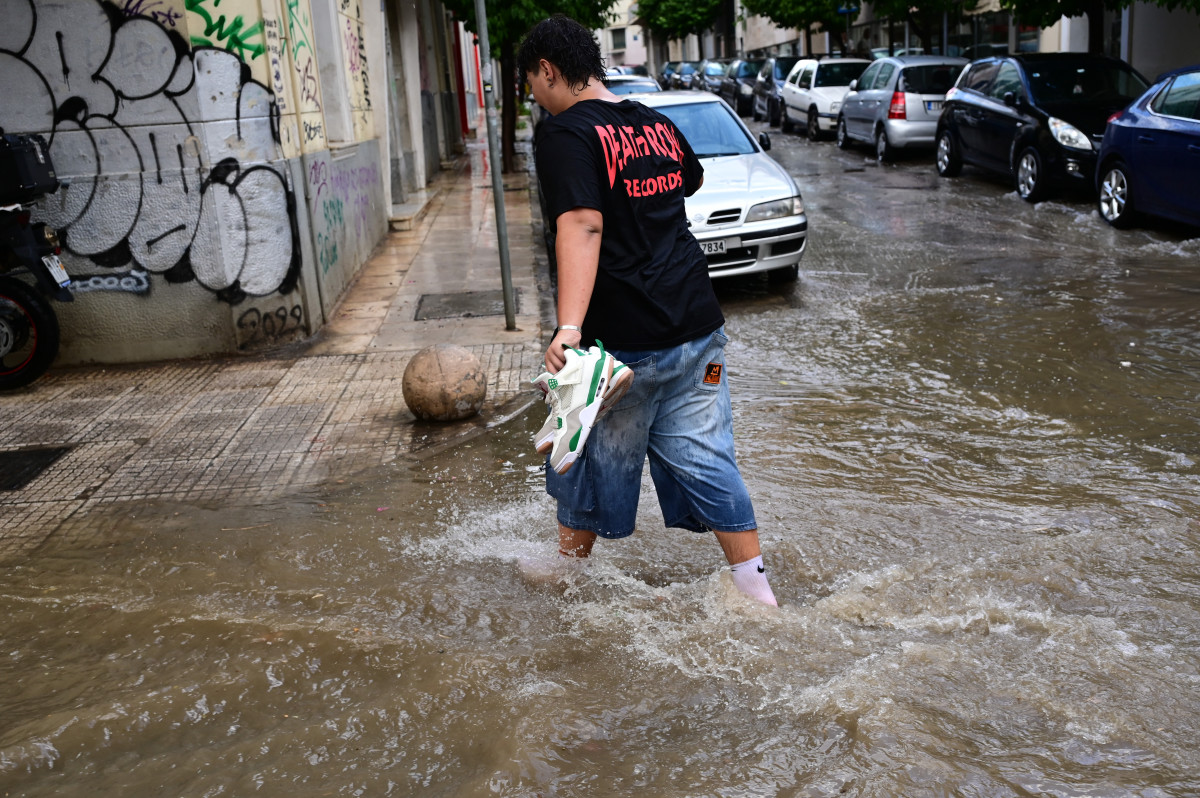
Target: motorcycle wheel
(29, 334)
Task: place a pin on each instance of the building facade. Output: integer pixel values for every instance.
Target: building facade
(227, 166)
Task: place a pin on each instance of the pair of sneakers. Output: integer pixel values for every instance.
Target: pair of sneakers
(583, 390)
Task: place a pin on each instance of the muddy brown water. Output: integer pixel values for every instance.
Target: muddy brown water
(972, 438)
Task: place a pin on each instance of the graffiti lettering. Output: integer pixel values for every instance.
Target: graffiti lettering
(270, 325)
(308, 85)
(227, 34)
(327, 252)
(134, 281)
(152, 9)
(312, 132)
(185, 215)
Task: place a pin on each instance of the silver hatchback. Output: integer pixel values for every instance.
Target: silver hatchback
(896, 103)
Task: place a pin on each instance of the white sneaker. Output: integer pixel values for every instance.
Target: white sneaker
(618, 385)
(576, 395)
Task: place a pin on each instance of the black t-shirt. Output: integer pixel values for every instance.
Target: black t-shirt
(634, 166)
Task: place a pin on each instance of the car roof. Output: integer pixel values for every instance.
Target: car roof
(1180, 71)
(677, 98)
(917, 60)
(626, 78)
(1047, 58)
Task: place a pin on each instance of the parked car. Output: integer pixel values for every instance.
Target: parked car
(737, 87)
(896, 103)
(631, 84)
(682, 77)
(664, 74)
(768, 99)
(1037, 117)
(813, 93)
(709, 74)
(1149, 161)
(748, 216)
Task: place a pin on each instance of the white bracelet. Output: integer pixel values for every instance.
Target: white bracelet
(562, 327)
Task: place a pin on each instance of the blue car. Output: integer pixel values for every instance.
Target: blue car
(1149, 159)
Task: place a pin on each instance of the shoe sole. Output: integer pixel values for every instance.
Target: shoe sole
(586, 419)
(543, 442)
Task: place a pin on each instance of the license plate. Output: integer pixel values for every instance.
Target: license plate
(933, 105)
(56, 270)
(713, 247)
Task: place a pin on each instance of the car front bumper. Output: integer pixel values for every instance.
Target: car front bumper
(756, 248)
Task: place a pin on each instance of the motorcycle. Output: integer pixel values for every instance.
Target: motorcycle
(29, 331)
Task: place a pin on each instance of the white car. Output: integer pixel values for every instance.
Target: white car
(813, 93)
(748, 216)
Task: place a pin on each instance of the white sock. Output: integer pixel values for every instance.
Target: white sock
(750, 577)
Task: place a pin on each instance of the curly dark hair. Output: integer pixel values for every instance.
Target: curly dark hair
(568, 45)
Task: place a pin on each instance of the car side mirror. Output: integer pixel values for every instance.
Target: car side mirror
(764, 140)
(853, 85)
(1012, 100)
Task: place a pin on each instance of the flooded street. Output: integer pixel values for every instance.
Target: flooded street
(971, 434)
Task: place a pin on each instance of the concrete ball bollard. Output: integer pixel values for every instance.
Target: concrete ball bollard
(444, 382)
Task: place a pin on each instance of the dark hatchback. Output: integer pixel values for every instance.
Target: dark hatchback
(768, 89)
(1038, 117)
(1150, 155)
(737, 87)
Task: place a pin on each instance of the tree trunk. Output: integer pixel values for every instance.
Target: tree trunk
(1095, 15)
(508, 91)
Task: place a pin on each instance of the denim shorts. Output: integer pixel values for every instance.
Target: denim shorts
(677, 413)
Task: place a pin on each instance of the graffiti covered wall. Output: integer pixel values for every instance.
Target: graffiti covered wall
(176, 127)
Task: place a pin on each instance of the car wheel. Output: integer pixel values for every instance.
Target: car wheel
(813, 130)
(773, 113)
(743, 107)
(787, 274)
(1116, 196)
(949, 162)
(884, 151)
(843, 136)
(1031, 175)
(785, 121)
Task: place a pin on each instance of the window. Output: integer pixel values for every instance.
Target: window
(1182, 97)
(838, 74)
(1006, 80)
(884, 78)
(618, 38)
(748, 69)
(868, 77)
(805, 81)
(979, 76)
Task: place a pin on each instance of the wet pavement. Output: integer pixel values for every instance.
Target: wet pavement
(971, 438)
(246, 429)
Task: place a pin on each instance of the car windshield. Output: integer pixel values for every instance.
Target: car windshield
(930, 78)
(838, 74)
(784, 66)
(632, 86)
(710, 128)
(687, 68)
(1075, 82)
(714, 69)
(749, 69)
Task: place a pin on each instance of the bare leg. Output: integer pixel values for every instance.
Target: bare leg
(575, 542)
(739, 546)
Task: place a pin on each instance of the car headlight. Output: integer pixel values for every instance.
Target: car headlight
(747, 88)
(833, 106)
(1069, 135)
(792, 206)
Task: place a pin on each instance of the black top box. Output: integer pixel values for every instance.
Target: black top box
(25, 169)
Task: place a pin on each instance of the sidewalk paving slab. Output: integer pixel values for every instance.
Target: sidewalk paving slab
(253, 427)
